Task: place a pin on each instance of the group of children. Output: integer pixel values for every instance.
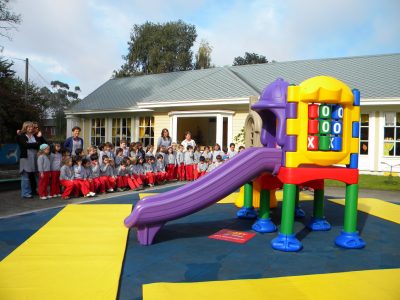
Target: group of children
(104, 169)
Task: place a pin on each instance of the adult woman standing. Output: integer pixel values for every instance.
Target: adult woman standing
(188, 141)
(74, 142)
(164, 140)
(29, 146)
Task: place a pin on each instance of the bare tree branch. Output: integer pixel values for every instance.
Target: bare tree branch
(8, 19)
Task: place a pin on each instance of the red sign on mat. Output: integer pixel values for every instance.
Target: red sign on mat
(232, 236)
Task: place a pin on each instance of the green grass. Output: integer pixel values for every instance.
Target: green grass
(372, 182)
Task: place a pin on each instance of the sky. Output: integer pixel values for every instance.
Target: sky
(82, 42)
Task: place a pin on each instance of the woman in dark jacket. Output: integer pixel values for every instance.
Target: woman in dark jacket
(28, 144)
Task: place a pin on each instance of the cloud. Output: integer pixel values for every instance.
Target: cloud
(82, 42)
(291, 30)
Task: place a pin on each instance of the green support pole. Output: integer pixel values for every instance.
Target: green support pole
(248, 195)
(350, 210)
(289, 200)
(264, 205)
(318, 204)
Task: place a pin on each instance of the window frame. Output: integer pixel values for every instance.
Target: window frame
(395, 139)
(367, 141)
(93, 125)
(119, 136)
(146, 140)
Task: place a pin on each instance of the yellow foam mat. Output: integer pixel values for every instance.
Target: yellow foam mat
(363, 285)
(378, 208)
(232, 197)
(78, 254)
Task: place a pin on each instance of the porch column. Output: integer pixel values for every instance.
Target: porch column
(174, 129)
(133, 129)
(137, 134)
(108, 124)
(220, 129)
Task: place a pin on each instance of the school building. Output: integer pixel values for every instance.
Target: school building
(214, 104)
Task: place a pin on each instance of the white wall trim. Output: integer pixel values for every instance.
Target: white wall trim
(174, 127)
(219, 129)
(230, 130)
(218, 114)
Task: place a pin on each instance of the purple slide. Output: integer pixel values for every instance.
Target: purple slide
(151, 213)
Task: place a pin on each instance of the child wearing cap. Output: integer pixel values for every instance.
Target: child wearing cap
(44, 165)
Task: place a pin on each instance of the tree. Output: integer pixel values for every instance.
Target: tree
(158, 48)
(203, 56)
(60, 100)
(249, 59)
(14, 107)
(8, 19)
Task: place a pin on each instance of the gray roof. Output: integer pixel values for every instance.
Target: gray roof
(376, 76)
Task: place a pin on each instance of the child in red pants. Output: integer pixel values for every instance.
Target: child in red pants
(81, 184)
(161, 175)
(55, 166)
(171, 164)
(67, 178)
(189, 162)
(137, 171)
(107, 174)
(180, 161)
(124, 180)
(88, 175)
(149, 169)
(98, 185)
(202, 167)
(43, 162)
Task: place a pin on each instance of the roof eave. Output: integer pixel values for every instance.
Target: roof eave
(380, 101)
(195, 102)
(108, 111)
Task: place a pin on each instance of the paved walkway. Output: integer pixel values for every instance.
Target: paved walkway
(11, 203)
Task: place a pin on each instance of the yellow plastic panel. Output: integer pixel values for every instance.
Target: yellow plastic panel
(77, 255)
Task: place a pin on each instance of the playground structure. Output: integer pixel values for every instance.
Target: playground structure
(309, 133)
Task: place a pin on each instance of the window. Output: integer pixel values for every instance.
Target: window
(146, 130)
(98, 131)
(121, 129)
(53, 131)
(391, 134)
(364, 131)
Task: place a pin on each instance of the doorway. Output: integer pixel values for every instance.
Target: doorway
(203, 129)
